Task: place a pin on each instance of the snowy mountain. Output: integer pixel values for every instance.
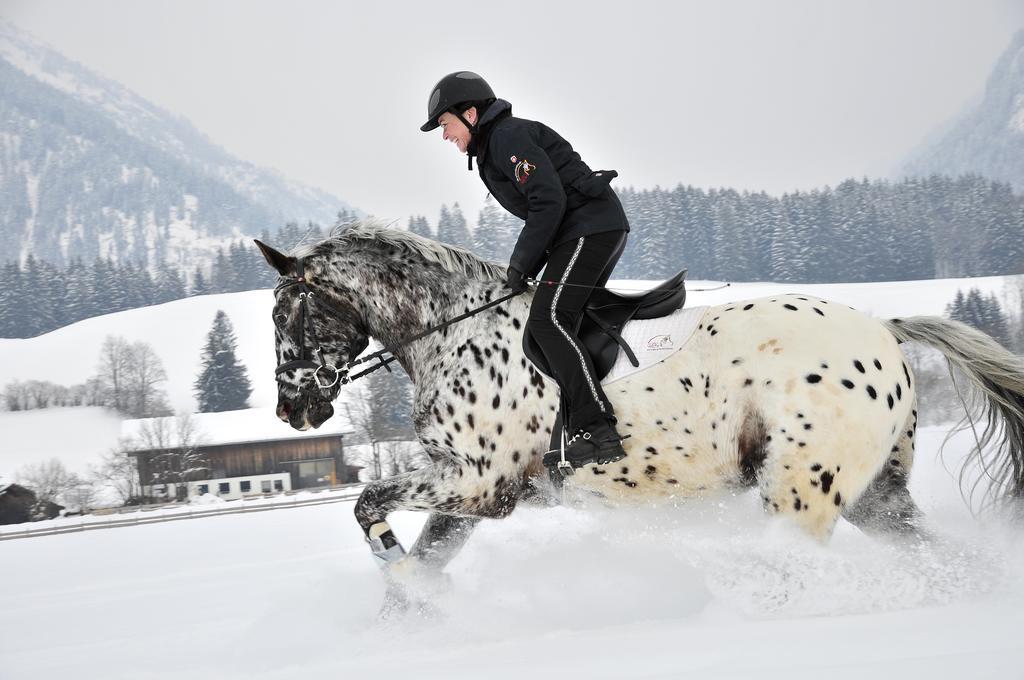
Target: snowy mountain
(89, 168)
(989, 138)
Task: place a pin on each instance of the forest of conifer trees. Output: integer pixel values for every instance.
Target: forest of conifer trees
(923, 228)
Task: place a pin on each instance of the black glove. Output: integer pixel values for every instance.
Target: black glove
(514, 281)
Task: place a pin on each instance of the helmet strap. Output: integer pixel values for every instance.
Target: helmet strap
(472, 130)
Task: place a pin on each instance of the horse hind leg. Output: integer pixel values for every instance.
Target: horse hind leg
(886, 507)
(797, 470)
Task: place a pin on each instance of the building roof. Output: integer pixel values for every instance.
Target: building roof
(229, 427)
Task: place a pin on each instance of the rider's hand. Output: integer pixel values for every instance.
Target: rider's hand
(515, 281)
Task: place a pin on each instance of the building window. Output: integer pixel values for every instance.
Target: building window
(225, 487)
(265, 486)
(204, 488)
(278, 485)
(245, 485)
(316, 473)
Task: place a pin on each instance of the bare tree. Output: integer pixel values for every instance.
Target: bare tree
(360, 413)
(50, 480)
(144, 372)
(129, 374)
(118, 471)
(15, 398)
(404, 456)
(174, 446)
(115, 358)
(82, 494)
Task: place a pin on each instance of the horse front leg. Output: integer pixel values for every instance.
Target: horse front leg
(456, 501)
(434, 489)
(413, 587)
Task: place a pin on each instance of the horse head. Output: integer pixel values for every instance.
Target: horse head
(318, 329)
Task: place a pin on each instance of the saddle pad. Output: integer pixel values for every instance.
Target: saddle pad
(654, 340)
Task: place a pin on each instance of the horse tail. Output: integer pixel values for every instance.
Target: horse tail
(997, 376)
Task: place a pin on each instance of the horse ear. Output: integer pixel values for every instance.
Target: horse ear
(284, 264)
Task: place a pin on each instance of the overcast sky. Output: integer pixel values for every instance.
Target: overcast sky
(750, 94)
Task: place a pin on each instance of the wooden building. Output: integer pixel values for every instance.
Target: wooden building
(236, 453)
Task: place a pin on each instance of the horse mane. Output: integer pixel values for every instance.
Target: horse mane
(375, 233)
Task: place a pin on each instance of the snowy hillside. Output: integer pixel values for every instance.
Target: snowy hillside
(709, 589)
(177, 331)
(988, 138)
(92, 169)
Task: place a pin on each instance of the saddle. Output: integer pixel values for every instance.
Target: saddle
(604, 316)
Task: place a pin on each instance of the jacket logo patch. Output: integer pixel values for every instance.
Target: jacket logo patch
(523, 170)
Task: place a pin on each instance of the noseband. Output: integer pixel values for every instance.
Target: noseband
(306, 321)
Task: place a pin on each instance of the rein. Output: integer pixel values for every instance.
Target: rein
(342, 375)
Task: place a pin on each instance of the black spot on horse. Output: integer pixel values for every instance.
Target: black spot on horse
(826, 481)
(848, 384)
(746, 307)
(871, 392)
(790, 307)
(859, 366)
(813, 378)
(878, 364)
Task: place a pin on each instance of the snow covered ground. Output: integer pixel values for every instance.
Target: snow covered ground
(703, 589)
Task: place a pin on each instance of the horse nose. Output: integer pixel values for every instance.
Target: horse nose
(283, 409)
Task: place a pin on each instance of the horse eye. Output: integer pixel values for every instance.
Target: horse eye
(280, 318)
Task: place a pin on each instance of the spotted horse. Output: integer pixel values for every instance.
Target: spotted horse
(806, 400)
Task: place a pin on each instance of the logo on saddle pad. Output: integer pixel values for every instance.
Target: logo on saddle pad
(523, 169)
(659, 342)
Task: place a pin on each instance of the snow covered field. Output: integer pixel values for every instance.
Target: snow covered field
(708, 589)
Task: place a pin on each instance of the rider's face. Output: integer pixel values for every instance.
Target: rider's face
(452, 129)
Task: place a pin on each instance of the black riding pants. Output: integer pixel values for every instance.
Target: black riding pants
(556, 314)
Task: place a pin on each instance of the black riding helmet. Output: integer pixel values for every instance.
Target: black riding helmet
(454, 89)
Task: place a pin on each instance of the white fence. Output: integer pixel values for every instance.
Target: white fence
(173, 512)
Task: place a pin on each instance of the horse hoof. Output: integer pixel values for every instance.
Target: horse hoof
(399, 604)
(396, 603)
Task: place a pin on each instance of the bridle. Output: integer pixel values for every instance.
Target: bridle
(341, 375)
(306, 324)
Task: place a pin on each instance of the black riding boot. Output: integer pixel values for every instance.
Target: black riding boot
(598, 443)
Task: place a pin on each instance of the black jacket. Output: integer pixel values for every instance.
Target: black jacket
(535, 175)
